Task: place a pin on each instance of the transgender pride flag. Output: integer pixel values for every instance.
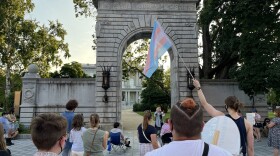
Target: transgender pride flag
(160, 43)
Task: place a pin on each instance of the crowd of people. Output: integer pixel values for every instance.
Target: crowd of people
(54, 134)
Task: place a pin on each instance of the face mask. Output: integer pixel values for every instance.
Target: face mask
(226, 107)
(61, 149)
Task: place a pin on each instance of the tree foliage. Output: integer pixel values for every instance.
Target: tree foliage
(134, 59)
(153, 95)
(23, 42)
(241, 40)
(70, 70)
(16, 85)
(85, 7)
(273, 97)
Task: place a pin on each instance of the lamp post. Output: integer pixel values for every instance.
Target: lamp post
(190, 80)
(105, 81)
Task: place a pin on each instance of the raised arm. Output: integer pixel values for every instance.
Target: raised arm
(250, 138)
(208, 107)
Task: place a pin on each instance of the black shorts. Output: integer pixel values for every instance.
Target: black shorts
(258, 125)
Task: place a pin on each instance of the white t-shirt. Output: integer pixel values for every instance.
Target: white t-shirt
(76, 138)
(116, 130)
(189, 148)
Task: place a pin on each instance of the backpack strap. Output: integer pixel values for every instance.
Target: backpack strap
(206, 149)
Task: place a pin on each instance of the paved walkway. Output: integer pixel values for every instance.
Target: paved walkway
(130, 120)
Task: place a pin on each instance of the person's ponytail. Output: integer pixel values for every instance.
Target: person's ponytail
(147, 116)
(94, 120)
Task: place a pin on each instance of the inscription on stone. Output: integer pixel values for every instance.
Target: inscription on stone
(148, 6)
(167, 6)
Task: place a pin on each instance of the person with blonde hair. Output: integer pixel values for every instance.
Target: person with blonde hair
(147, 134)
(48, 132)
(232, 105)
(4, 151)
(94, 139)
(274, 131)
(159, 114)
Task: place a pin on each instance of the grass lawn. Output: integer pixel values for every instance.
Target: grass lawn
(167, 115)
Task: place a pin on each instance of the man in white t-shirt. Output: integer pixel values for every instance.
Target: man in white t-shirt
(117, 130)
(186, 124)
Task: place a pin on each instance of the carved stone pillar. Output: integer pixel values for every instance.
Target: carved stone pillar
(28, 104)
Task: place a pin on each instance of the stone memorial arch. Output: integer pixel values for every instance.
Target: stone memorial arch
(120, 22)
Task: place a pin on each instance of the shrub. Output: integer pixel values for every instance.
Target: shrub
(23, 130)
(137, 107)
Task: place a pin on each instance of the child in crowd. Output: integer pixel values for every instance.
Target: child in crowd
(117, 130)
(165, 132)
(76, 135)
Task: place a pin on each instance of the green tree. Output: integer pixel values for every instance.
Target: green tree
(23, 42)
(273, 97)
(166, 79)
(241, 41)
(134, 59)
(153, 95)
(16, 85)
(85, 7)
(72, 70)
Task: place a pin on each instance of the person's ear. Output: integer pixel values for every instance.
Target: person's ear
(170, 124)
(61, 142)
(203, 124)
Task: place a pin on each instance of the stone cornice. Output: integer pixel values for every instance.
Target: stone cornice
(147, 5)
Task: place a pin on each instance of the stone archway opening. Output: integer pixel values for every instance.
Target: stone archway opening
(133, 62)
(126, 94)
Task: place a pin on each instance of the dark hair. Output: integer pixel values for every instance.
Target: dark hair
(146, 118)
(187, 118)
(2, 140)
(277, 112)
(12, 110)
(116, 124)
(4, 113)
(166, 120)
(233, 103)
(94, 120)
(47, 129)
(78, 122)
(71, 104)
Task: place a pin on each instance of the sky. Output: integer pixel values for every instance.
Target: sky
(79, 30)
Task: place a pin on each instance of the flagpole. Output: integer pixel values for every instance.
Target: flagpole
(185, 65)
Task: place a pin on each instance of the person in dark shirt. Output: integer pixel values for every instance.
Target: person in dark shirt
(147, 134)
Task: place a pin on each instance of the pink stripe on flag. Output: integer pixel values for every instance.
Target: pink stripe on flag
(160, 43)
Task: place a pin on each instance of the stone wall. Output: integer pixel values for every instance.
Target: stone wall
(50, 95)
